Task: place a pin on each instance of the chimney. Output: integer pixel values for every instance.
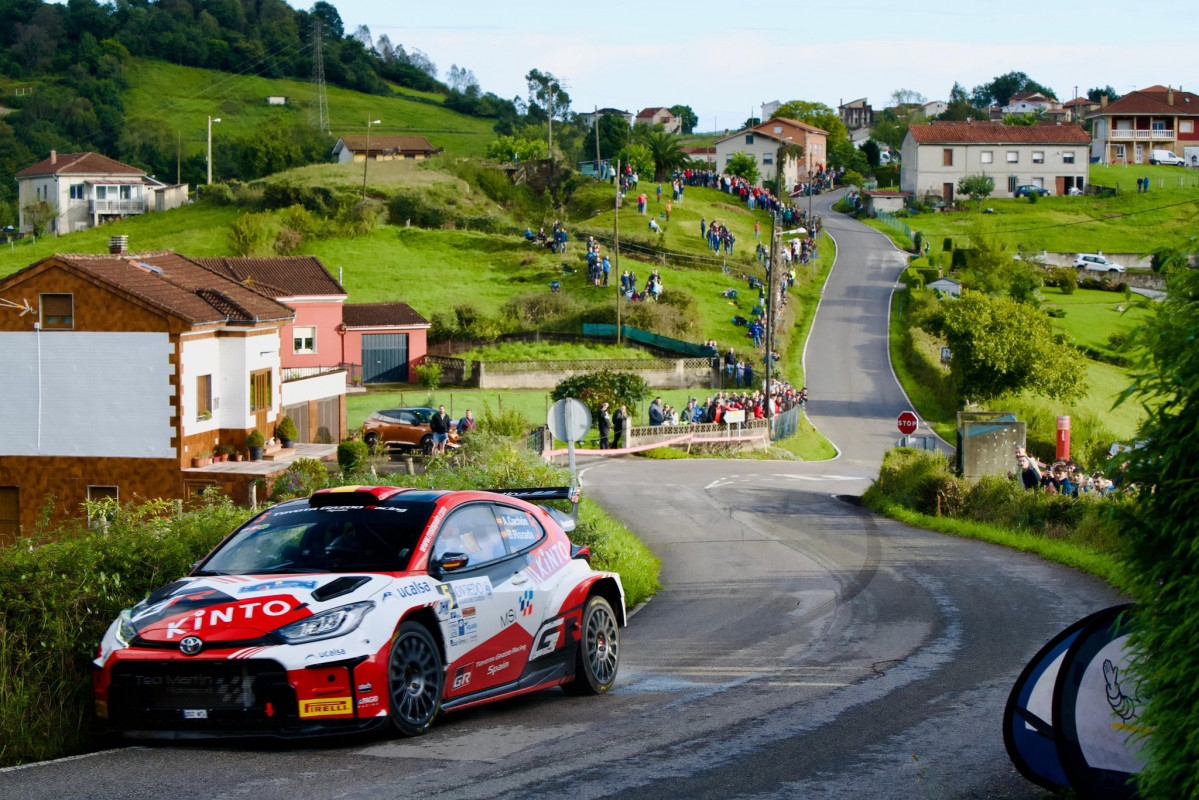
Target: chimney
(53, 157)
(118, 245)
(1103, 101)
(1170, 96)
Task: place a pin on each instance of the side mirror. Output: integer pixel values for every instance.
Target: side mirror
(450, 562)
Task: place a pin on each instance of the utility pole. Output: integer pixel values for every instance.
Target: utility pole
(179, 158)
(774, 252)
(366, 158)
(616, 248)
(550, 120)
(597, 158)
(210, 121)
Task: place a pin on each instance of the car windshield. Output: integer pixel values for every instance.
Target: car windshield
(299, 539)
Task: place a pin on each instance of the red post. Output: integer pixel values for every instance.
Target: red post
(1063, 438)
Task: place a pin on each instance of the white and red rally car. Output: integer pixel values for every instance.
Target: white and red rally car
(362, 604)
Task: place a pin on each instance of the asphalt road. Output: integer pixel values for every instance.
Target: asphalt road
(800, 647)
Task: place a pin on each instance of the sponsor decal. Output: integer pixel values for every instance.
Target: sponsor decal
(461, 628)
(507, 618)
(434, 524)
(545, 561)
(337, 651)
(510, 652)
(445, 590)
(327, 707)
(500, 667)
(368, 701)
(468, 612)
(229, 614)
(190, 645)
(283, 583)
(526, 603)
(364, 687)
(518, 528)
(195, 713)
(444, 606)
(548, 638)
(461, 678)
(253, 528)
(414, 589)
(475, 590)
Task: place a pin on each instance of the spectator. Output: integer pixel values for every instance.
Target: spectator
(654, 226)
(466, 424)
(1030, 476)
(439, 423)
(730, 363)
(618, 422)
(655, 412)
(604, 419)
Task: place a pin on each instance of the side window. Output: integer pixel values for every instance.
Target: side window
(471, 530)
(422, 416)
(406, 417)
(519, 529)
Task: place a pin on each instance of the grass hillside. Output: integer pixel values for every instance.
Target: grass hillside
(186, 97)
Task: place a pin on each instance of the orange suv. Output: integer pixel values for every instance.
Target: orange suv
(404, 429)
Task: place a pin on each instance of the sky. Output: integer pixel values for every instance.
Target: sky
(725, 59)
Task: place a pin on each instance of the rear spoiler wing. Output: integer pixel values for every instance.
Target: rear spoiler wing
(542, 494)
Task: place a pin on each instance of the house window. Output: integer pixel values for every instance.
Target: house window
(1158, 125)
(1013, 156)
(260, 390)
(1186, 126)
(303, 340)
(1068, 157)
(204, 397)
(767, 158)
(947, 157)
(1038, 156)
(98, 493)
(1012, 183)
(58, 312)
(987, 157)
(1120, 152)
(77, 191)
(749, 138)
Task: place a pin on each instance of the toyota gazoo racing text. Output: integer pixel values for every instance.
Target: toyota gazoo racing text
(361, 604)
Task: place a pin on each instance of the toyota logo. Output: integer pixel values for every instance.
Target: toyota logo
(191, 645)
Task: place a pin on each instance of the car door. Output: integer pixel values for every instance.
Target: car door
(481, 602)
(536, 583)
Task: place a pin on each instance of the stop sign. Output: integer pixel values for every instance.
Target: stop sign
(907, 423)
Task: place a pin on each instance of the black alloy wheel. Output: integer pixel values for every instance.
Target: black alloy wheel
(415, 679)
(599, 650)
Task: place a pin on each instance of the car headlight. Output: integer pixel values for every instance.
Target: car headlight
(126, 631)
(327, 625)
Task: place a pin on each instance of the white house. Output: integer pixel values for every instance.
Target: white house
(937, 156)
(383, 148)
(947, 286)
(657, 115)
(1029, 103)
(934, 107)
(763, 142)
(88, 189)
(587, 119)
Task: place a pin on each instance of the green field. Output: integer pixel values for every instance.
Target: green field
(186, 96)
(1093, 316)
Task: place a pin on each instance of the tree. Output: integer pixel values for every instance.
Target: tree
(514, 149)
(1158, 543)
(978, 187)
(1095, 95)
(907, 97)
(688, 119)
(743, 166)
(1031, 118)
(39, 215)
(959, 108)
(751, 122)
(872, 151)
(1001, 346)
(639, 157)
(668, 155)
(1000, 90)
(546, 92)
(614, 134)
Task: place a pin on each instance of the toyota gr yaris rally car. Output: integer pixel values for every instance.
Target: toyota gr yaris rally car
(361, 605)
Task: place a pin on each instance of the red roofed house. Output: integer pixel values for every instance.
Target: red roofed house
(374, 342)
(763, 142)
(1128, 130)
(89, 189)
(657, 115)
(383, 148)
(131, 365)
(937, 156)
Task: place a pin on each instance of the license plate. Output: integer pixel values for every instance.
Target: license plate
(195, 713)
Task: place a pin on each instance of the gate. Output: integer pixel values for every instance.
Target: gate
(385, 358)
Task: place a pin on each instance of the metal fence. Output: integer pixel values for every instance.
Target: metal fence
(892, 222)
(786, 424)
(645, 337)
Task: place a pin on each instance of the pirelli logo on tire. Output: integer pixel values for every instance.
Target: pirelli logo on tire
(327, 707)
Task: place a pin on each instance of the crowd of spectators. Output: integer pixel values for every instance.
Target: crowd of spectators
(1062, 477)
(782, 397)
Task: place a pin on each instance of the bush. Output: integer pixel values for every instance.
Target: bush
(595, 388)
(918, 240)
(285, 428)
(681, 300)
(536, 309)
(255, 439)
(302, 478)
(947, 244)
(352, 456)
(414, 206)
(251, 234)
(1064, 278)
(504, 421)
(217, 194)
(428, 375)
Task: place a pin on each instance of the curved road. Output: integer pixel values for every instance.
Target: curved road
(801, 647)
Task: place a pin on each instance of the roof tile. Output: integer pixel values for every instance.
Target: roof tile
(282, 276)
(80, 164)
(377, 315)
(997, 133)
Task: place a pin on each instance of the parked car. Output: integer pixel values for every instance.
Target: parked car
(404, 429)
(1167, 157)
(1094, 262)
(1026, 189)
(360, 606)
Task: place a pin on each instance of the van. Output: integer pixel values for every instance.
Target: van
(1166, 157)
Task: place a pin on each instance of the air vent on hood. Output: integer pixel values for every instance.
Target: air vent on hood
(338, 587)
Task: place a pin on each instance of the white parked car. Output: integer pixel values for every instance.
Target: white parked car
(1096, 263)
(1167, 157)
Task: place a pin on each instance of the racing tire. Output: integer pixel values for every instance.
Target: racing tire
(598, 656)
(415, 679)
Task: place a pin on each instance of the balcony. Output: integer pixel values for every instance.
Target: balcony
(1142, 135)
(117, 206)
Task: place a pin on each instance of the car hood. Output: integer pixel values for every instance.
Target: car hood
(236, 608)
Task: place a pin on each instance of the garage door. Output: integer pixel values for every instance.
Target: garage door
(385, 358)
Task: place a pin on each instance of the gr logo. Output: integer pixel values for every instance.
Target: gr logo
(507, 618)
(461, 678)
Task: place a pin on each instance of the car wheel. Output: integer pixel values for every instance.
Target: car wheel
(372, 440)
(599, 650)
(426, 445)
(415, 679)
